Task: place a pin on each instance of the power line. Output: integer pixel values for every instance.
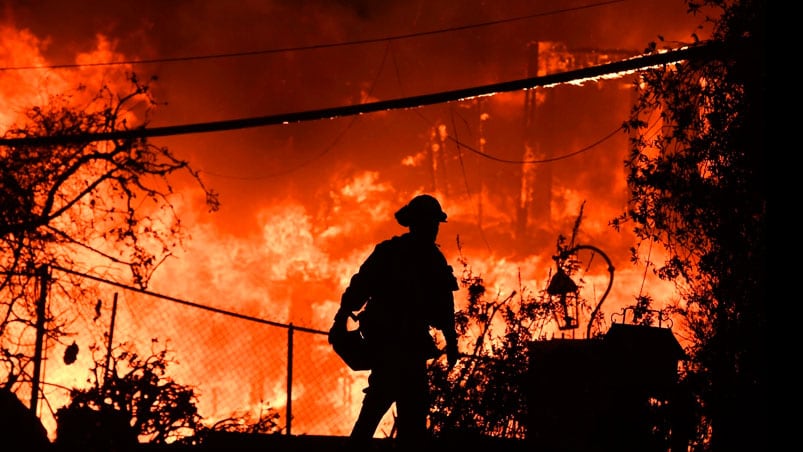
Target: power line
(703, 50)
(544, 160)
(314, 46)
(330, 146)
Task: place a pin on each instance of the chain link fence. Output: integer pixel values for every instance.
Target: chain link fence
(239, 366)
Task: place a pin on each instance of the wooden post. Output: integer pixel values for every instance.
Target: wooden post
(111, 336)
(44, 279)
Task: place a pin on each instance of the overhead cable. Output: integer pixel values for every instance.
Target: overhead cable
(309, 47)
(704, 50)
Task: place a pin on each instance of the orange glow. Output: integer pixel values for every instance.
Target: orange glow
(304, 204)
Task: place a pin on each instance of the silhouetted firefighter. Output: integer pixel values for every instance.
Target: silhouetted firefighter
(401, 290)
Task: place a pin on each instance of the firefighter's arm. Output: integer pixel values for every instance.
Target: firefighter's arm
(447, 326)
(363, 284)
(353, 299)
(346, 309)
(359, 290)
(350, 301)
(449, 331)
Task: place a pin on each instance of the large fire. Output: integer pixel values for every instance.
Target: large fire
(303, 204)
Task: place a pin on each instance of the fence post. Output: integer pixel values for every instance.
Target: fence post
(40, 335)
(289, 413)
(111, 337)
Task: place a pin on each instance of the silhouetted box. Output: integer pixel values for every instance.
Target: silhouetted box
(595, 395)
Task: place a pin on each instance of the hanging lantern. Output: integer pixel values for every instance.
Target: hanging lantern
(567, 294)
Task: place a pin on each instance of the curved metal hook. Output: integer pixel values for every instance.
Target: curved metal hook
(610, 280)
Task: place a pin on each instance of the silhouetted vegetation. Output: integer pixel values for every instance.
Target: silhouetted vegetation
(698, 188)
(486, 393)
(19, 425)
(71, 205)
(697, 180)
(135, 400)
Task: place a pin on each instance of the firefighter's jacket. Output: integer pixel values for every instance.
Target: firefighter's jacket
(405, 286)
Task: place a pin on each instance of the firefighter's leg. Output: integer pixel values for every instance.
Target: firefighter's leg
(379, 396)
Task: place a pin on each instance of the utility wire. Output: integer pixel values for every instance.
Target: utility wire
(546, 160)
(326, 149)
(703, 50)
(315, 46)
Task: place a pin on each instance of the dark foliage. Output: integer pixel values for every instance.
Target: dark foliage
(133, 398)
(698, 188)
(65, 204)
(485, 395)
